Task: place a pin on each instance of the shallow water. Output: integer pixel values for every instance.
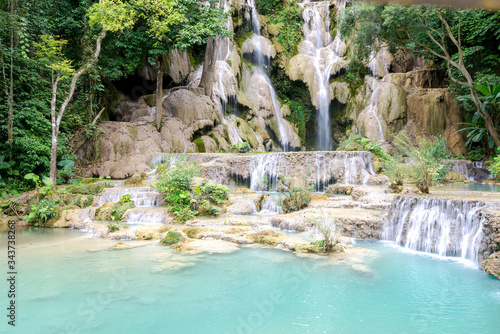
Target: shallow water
(70, 283)
(485, 187)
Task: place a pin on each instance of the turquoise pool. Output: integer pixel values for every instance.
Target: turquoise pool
(70, 283)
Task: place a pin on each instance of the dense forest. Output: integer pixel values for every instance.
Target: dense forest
(51, 48)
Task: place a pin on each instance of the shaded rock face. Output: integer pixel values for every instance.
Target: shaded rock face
(436, 113)
(471, 171)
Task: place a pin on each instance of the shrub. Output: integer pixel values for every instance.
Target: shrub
(242, 147)
(113, 227)
(215, 193)
(425, 160)
(495, 166)
(119, 209)
(85, 188)
(172, 237)
(331, 237)
(359, 143)
(295, 198)
(41, 212)
(174, 182)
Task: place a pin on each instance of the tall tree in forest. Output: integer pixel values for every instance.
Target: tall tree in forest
(111, 15)
(9, 85)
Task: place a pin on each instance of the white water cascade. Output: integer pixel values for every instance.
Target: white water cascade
(447, 227)
(372, 108)
(256, 40)
(325, 54)
(142, 197)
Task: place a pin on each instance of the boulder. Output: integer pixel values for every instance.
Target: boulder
(195, 111)
(260, 44)
(177, 64)
(492, 265)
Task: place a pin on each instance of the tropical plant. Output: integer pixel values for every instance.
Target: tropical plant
(294, 197)
(175, 178)
(41, 212)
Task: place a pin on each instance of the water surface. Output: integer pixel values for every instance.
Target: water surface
(70, 283)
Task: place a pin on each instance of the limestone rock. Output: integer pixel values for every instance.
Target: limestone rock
(195, 111)
(418, 79)
(435, 111)
(177, 65)
(259, 43)
(492, 265)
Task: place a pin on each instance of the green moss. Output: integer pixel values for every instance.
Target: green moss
(193, 232)
(119, 209)
(85, 189)
(136, 181)
(266, 237)
(200, 144)
(172, 237)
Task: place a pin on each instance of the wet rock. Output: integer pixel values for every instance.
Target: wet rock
(339, 189)
(492, 265)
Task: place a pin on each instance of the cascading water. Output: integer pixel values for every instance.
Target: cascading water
(447, 227)
(373, 108)
(142, 197)
(324, 53)
(258, 52)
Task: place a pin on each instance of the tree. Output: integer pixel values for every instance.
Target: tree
(112, 16)
(180, 24)
(436, 33)
(9, 86)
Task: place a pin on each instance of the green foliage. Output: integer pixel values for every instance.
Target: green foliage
(40, 212)
(113, 226)
(174, 177)
(476, 154)
(295, 197)
(287, 15)
(85, 188)
(494, 168)
(425, 160)
(119, 209)
(242, 147)
(360, 143)
(125, 199)
(214, 193)
(172, 237)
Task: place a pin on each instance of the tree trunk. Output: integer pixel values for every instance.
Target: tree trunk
(207, 77)
(57, 121)
(159, 93)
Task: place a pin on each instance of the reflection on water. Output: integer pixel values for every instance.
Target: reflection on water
(468, 187)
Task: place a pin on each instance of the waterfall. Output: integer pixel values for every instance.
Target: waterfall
(142, 197)
(284, 128)
(373, 108)
(324, 53)
(319, 168)
(447, 227)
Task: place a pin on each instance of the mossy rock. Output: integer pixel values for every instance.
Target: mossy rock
(58, 210)
(236, 230)
(85, 189)
(193, 232)
(454, 177)
(200, 145)
(136, 181)
(103, 213)
(172, 237)
(147, 234)
(120, 208)
(266, 237)
(307, 248)
(396, 188)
